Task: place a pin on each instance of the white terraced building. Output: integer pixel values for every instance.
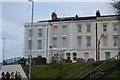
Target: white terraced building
(74, 37)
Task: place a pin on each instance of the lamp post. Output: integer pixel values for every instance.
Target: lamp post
(3, 50)
(96, 44)
(59, 60)
(51, 53)
(31, 38)
(99, 46)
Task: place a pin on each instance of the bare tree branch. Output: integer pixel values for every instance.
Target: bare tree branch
(116, 6)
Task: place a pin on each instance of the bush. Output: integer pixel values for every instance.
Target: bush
(96, 63)
(22, 61)
(39, 61)
(67, 61)
(91, 60)
(80, 60)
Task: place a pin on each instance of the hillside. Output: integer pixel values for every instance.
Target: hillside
(69, 70)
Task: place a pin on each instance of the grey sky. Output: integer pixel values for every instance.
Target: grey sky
(15, 14)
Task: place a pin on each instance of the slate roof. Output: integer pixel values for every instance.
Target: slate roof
(78, 18)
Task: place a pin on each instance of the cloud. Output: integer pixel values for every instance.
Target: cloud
(13, 18)
(58, 0)
(16, 14)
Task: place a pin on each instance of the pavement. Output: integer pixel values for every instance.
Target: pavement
(13, 68)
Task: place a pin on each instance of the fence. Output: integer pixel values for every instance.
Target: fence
(12, 60)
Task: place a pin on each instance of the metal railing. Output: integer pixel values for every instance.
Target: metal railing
(117, 57)
(12, 61)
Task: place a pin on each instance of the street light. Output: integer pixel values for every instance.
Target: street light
(51, 53)
(96, 43)
(31, 38)
(59, 60)
(3, 50)
(99, 46)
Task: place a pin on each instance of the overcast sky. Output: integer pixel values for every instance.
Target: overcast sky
(16, 14)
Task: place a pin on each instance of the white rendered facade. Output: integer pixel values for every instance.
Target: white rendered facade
(38, 39)
(75, 37)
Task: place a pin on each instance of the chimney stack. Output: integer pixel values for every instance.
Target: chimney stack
(98, 13)
(54, 16)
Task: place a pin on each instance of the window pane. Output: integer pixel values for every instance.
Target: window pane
(79, 41)
(74, 56)
(115, 27)
(88, 27)
(55, 30)
(68, 56)
(105, 27)
(29, 45)
(79, 27)
(54, 42)
(115, 41)
(107, 55)
(64, 42)
(30, 33)
(88, 41)
(39, 33)
(39, 44)
(105, 41)
(64, 29)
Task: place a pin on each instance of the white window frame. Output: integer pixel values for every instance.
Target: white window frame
(88, 28)
(107, 55)
(105, 41)
(68, 56)
(115, 41)
(79, 26)
(55, 29)
(79, 39)
(115, 27)
(88, 41)
(29, 44)
(86, 56)
(64, 41)
(54, 42)
(30, 33)
(39, 44)
(104, 27)
(64, 29)
(75, 56)
(40, 30)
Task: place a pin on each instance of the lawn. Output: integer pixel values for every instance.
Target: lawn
(69, 70)
(115, 74)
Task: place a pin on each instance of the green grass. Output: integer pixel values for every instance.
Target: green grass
(107, 64)
(53, 71)
(69, 70)
(44, 71)
(115, 74)
(78, 71)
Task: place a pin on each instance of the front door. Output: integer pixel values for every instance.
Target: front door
(86, 56)
(107, 55)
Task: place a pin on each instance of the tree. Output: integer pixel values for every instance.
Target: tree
(116, 6)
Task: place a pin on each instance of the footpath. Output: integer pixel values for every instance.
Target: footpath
(13, 68)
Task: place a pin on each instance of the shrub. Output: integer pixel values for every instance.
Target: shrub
(96, 63)
(67, 61)
(80, 60)
(91, 60)
(39, 61)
